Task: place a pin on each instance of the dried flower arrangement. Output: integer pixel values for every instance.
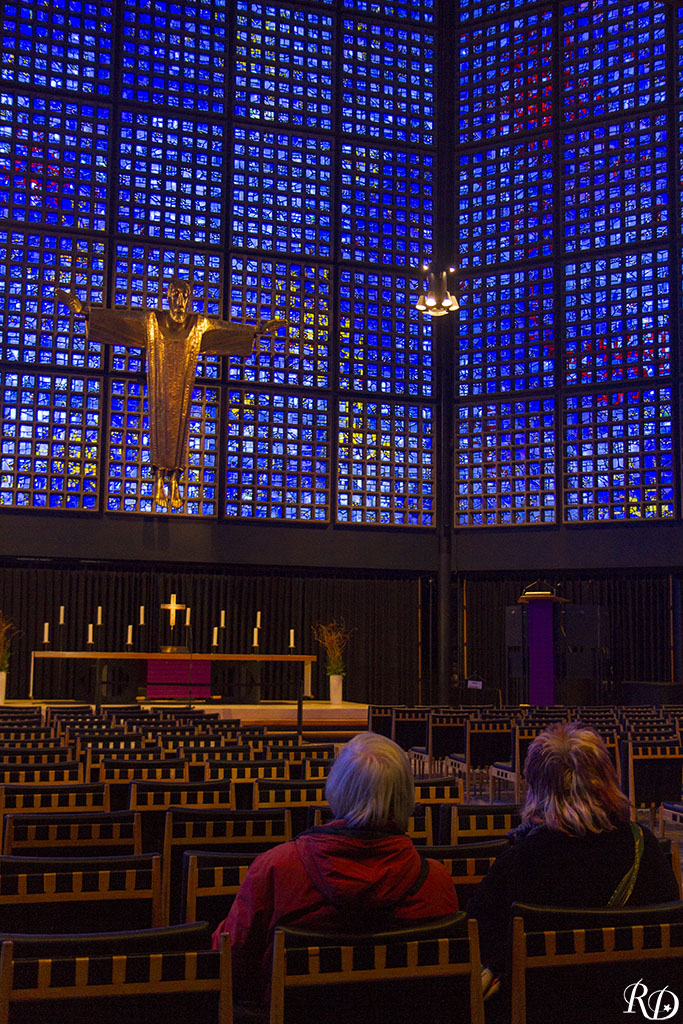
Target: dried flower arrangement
(7, 632)
(333, 636)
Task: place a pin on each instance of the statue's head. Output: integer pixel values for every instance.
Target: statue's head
(179, 296)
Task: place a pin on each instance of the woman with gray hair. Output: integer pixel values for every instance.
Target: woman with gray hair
(575, 847)
(360, 872)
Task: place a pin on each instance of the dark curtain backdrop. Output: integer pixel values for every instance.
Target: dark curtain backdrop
(637, 608)
(383, 657)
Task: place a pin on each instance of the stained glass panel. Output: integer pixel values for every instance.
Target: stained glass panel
(505, 77)
(388, 83)
(384, 346)
(170, 178)
(296, 355)
(613, 57)
(50, 441)
(416, 10)
(618, 318)
(53, 161)
(277, 457)
(504, 203)
(66, 44)
(506, 333)
(616, 184)
(618, 456)
(283, 65)
(174, 54)
(281, 198)
(386, 205)
(505, 463)
(385, 468)
(130, 477)
(33, 327)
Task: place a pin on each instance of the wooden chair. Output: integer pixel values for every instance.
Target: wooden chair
(296, 796)
(420, 972)
(40, 754)
(183, 987)
(486, 742)
(511, 772)
(655, 776)
(467, 864)
(229, 831)
(435, 792)
(445, 734)
(379, 718)
(476, 823)
(211, 880)
(409, 727)
(55, 798)
(588, 964)
(82, 894)
(153, 799)
(116, 833)
(37, 774)
(119, 772)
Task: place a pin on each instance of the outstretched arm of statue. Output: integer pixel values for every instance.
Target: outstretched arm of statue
(225, 338)
(108, 326)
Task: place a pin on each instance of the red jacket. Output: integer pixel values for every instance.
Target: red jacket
(331, 877)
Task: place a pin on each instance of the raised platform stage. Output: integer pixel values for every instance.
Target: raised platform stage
(318, 716)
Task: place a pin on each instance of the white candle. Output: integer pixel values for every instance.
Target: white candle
(90, 639)
(46, 632)
(142, 615)
(214, 642)
(291, 638)
(258, 620)
(99, 615)
(222, 618)
(130, 635)
(255, 640)
(61, 615)
(187, 616)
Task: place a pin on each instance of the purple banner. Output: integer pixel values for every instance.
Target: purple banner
(540, 641)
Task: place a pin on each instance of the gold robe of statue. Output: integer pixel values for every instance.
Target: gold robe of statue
(174, 339)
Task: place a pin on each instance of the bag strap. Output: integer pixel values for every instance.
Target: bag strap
(621, 894)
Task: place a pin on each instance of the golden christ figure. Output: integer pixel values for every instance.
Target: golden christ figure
(174, 338)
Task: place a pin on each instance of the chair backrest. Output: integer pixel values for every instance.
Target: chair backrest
(221, 831)
(210, 880)
(409, 727)
(467, 864)
(153, 799)
(37, 774)
(84, 895)
(654, 772)
(54, 798)
(466, 823)
(596, 964)
(439, 791)
(426, 971)
(29, 754)
(145, 987)
(116, 833)
(179, 937)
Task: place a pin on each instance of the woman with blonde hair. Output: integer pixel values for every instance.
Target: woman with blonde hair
(576, 845)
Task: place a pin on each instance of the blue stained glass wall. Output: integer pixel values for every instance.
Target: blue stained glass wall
(280, 159)
(568, 217)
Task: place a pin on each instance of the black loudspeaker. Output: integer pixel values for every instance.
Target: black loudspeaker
(582, 626)
(514, 641)
(514, 626)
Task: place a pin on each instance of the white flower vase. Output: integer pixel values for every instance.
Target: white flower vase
(3, 686)
(336, 686)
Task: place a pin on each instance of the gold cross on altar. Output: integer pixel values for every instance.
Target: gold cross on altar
(173, 607)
